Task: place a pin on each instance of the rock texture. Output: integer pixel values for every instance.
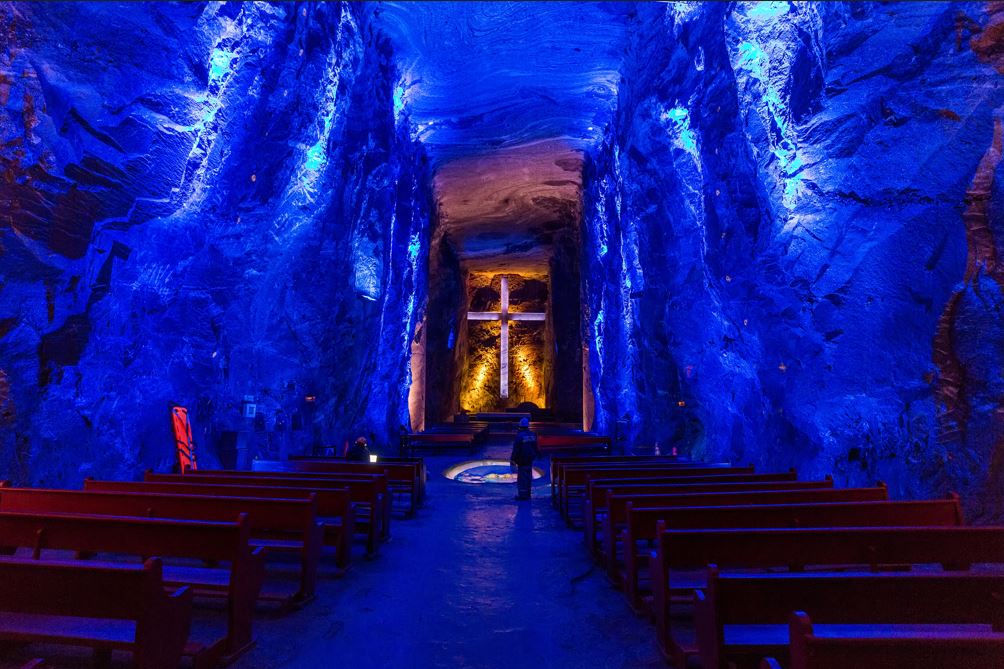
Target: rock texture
(201, 202)
(506, 97)
(780, 223)
(776, 240)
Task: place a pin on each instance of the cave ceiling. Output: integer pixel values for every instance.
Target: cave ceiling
(507, 97)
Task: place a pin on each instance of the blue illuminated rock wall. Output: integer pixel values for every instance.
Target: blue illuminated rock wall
(201, 202)
(776, 225)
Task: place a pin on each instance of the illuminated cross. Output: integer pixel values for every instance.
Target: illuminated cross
(505, 317)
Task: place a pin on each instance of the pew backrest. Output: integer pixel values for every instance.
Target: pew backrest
(617, 505)
(915, 598)
(642, 522)
(598, 488)
(330, 501)
(133, 593)
(809, 651)
(402, 471)
(955, 547)
(292, 515)
(838, 598)
(361, 487)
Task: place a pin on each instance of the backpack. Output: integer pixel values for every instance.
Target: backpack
(525, 449)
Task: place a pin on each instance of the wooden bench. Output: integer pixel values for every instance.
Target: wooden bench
(575, 479)
(438, 441)
(368, 494)
(849, 651)
(103, 607)
(559, 462)
(617, 507)
(572, 442)
(423, 474)
(239, 583)
(402, 478)
(278, 525)
(679, 553)
(334, 508)
(674, 478)
(642, 524)
(741, 618)
(594, 504)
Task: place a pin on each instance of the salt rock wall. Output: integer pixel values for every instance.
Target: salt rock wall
(776, 239)
(201, 202)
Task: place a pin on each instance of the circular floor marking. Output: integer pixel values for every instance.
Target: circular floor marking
(486, 471)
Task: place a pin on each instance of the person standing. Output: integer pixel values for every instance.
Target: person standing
(524, 450)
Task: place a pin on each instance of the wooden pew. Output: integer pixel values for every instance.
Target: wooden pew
(104, 607)
(240, 582)
(572, 504)
(617, 506)
(809, 651)
(423, 474)
(572, 442)
(35, 663)
(402, 478)
(370, 493)
(438, 441)
(576, 477)
(367, 492)
(679, 552)
(642, 524)
(281, 525)
(559, 462)
(594, 505)
(334, 507)
(740, 618)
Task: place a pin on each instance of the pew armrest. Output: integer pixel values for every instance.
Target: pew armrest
(162, 633)
(706, 626)
(660, 594)
(769, 663)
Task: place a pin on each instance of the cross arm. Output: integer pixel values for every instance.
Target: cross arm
(484, 316)
(527, 316)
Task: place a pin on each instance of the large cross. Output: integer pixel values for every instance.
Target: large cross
(505, 317)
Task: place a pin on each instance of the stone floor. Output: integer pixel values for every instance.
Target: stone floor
(476, 580)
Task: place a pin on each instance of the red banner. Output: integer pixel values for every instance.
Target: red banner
(183, 438)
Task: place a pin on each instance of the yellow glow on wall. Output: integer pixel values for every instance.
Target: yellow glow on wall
(476, 389)
(528, 374)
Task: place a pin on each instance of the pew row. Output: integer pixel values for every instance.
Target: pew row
(681, 558)
(214, 542)
(575, 479)
(334, 508)
(809, 651)
(560, 466)
(615, 521)
(103, 607)
(741, 618)
(403, 479)
(558, 462)
(423, 473)
(277, 525)
(572, 442)
(595, 509)
(437, 441)
(368, 493)
(642, 525)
